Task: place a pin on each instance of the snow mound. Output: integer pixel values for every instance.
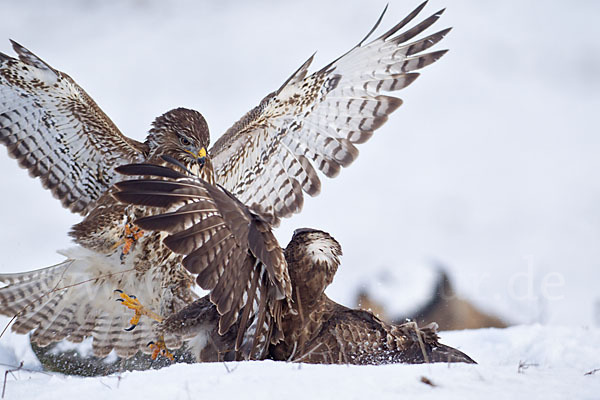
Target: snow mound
(524, 362)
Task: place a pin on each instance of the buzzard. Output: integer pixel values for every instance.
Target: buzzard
(267, 161)
(311, 327)
(206, 226)
(322, 331)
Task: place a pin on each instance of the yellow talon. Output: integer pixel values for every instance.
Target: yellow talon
(159, 348)
(134, 304)
(135, 319)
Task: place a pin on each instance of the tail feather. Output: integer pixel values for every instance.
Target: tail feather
(107, 327)
(79, 330)
(442, 353)
(27, 289)
(33, 275)
(37, 314)
(56, 327)
(75, 300)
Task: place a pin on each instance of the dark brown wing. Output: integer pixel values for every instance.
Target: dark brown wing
(230, 248)
(268, 158)
(58, 133)
(358, 337)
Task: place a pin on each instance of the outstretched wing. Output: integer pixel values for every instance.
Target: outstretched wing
(58, 133)
(267, 159)
(215, 232)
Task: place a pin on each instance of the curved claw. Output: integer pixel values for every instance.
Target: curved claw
(160, 348)
(131, 302)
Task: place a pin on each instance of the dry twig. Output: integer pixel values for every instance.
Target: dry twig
(523, 365)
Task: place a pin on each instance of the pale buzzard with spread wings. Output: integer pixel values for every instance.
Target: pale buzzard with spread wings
(268, 160)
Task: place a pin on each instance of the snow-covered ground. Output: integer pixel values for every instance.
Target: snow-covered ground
(490, 167)
(523, 362)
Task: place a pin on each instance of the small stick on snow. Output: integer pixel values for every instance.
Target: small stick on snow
(524, 365)
(427, 381)
(9, 371)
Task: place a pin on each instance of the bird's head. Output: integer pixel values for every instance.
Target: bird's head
(313, 257)
(182, 134)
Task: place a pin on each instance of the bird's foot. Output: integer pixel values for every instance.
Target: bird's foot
(159, 348)
(131, 302)
(130, 235)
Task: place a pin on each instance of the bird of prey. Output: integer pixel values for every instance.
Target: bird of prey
(322, 331)
(267, 160)
(311, 327)
(203, 219)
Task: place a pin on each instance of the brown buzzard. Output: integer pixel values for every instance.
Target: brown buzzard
(267, 160)
(322, 331)
(311, 328)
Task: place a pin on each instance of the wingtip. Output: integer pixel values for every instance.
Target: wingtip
(446, 31)
(441, 53)
(404, 21)
(374, 26)
(21, 50)
(27, 57)
(14, 44)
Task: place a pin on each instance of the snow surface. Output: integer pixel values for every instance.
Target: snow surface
(554, 362)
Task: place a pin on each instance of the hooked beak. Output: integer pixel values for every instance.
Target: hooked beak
(199, 156)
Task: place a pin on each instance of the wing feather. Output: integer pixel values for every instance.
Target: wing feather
(218, 235)
(58, 133)
(316, 120)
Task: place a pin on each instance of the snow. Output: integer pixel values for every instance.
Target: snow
(490, 166)
(554, 362)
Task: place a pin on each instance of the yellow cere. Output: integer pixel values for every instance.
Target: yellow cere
(202, 153)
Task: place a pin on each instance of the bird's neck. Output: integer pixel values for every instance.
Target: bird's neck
(207, 172)
(306, 298)
(204, 172)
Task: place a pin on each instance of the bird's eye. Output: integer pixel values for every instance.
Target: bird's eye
(184, 141)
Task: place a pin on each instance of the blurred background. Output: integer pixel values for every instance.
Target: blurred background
(489, 169)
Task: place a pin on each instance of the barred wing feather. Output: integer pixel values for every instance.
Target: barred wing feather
(269, 157)
(58, 133)
(216, 233)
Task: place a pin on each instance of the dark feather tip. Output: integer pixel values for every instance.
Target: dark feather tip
(149, 169)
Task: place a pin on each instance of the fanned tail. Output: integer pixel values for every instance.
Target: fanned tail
(29, 293)
(74, 300)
